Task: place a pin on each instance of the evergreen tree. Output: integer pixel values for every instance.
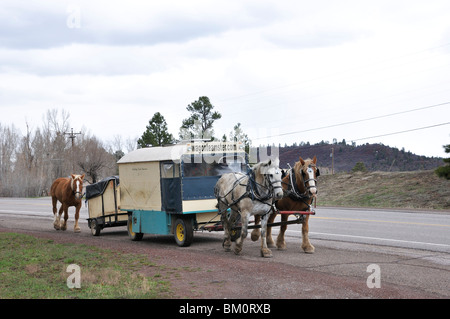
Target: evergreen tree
(238, 135)
(200, 123)
(444, 171)
(156, 133)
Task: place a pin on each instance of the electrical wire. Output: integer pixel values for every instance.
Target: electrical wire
(356, 121)
(400, 132)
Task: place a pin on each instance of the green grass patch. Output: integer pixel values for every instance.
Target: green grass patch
(36, 268)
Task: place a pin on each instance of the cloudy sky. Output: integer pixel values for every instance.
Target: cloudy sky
(288, 71)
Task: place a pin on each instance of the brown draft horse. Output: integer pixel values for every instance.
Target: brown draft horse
(300, 189)
(69, 192)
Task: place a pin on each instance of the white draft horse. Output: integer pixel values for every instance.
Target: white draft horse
(246, 195)
(300, 187)
(69, 192)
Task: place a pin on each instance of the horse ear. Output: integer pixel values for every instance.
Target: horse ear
(82, 177)
(73, 176)
(315, 159)
(301, 160)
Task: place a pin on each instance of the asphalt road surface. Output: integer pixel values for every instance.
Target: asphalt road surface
(411, 248)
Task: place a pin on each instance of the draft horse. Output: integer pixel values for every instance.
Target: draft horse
(69, 192)
(300, 188)
(246, 195)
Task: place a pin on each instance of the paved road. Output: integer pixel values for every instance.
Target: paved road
(398, 228)
(412, 248)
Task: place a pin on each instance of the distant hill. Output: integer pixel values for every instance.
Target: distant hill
(418, 189)
(376, 157)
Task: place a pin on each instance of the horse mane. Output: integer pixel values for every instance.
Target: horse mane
(73, 178)
(264, 165)
(298, 167)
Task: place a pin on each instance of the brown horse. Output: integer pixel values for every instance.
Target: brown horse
(69, 192)
(300, 189)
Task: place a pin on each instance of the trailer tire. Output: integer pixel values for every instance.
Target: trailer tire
(134, 236)
(183, 232)
(95, 228)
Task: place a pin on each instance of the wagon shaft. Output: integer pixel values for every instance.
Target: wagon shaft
(299, 214)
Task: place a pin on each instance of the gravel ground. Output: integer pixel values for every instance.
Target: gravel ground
(205, 271)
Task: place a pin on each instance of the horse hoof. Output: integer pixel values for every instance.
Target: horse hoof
(309, 249)
(56, 227)
(237, 251)
(255, 235)
(77, 230)
(266, 254)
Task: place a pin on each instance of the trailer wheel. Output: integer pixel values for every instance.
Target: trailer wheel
(134, 236)
(95, 228)
(184, 232)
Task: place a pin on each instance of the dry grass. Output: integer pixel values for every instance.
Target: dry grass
(418, 189)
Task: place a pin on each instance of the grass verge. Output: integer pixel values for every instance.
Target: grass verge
(35, 268)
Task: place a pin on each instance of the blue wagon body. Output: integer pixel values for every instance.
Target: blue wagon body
(170, 190)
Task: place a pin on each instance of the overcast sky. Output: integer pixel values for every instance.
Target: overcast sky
(288, 71)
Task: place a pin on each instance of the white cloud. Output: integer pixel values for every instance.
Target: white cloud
(271, 65)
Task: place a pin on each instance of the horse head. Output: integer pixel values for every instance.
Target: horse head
(272, 174)
(309, 172)
(77, 185)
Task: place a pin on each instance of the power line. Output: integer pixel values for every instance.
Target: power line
(356, 121)
(399, 132)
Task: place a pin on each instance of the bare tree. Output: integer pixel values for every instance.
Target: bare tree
(94, 160)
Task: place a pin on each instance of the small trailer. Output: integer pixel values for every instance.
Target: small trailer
(170, 190)
(103, 200)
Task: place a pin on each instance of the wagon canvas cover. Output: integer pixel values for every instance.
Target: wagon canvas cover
(99, 188)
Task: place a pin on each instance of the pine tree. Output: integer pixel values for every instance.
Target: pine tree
(200, 123)
(156, 133)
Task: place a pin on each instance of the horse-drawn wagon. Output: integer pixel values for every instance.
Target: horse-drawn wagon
(170, 190)
(104, 205)
(177, 189)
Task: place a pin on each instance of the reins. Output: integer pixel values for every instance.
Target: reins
(253, 191)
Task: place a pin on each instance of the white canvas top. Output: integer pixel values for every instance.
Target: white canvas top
(154, 154)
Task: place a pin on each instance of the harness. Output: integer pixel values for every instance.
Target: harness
(252, 191)
(293, 191)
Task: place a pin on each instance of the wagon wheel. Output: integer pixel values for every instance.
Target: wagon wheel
(183, 232)
(134, 236)
(95, 227)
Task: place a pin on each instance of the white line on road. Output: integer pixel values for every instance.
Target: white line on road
(371, 238)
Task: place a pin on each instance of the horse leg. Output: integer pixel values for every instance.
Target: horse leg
(55, 213)
(66, 216)
(77, 228)
(226, 230)
(281, 244)
(256, 233)
(270, 241)
(240, 241)
(306, 245)
(265, 251)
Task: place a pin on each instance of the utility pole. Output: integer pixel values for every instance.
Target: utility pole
(332, 160)
(72, 136)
